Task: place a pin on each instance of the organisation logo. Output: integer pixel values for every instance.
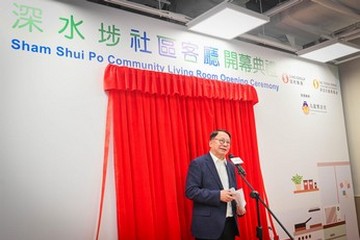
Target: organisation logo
(325, 87)
(305, 108)
(316, 83)
(293, 79)
(285, 78)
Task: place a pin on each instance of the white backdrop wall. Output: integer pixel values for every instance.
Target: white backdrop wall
(53, 117)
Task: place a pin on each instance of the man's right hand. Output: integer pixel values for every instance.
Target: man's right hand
(226, 196)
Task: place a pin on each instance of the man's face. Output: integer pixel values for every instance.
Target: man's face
(220, 145)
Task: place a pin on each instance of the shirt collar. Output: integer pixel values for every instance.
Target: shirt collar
(215, 159)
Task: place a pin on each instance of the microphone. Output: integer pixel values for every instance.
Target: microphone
(237, 162)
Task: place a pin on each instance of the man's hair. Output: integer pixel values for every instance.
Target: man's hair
(214, 133)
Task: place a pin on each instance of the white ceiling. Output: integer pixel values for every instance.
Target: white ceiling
(294, 24)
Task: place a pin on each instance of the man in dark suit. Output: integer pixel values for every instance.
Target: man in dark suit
(209, 180)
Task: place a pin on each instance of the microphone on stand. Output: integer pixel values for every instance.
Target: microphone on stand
(254, 194)
(237, 161)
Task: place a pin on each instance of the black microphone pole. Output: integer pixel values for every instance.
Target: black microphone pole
(254, 194)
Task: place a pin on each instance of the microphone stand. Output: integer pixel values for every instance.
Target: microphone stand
(254, 194)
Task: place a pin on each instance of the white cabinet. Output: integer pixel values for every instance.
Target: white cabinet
(335, 231)
(337, 198)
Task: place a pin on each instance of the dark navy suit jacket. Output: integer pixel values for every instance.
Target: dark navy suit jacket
(203, 186)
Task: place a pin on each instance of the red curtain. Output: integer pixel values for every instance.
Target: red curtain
(160, 122)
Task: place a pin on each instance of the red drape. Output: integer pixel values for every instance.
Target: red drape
(160, 122)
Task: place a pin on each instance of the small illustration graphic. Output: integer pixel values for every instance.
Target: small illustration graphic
(344, 188)
(303, 185)
(297, 180)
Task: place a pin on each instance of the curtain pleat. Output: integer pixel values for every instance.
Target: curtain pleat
(158, 83)
(160, 122)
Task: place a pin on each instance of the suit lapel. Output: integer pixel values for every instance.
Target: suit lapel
(213, 171)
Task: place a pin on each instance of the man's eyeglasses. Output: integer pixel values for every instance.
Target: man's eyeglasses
(223, 141)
